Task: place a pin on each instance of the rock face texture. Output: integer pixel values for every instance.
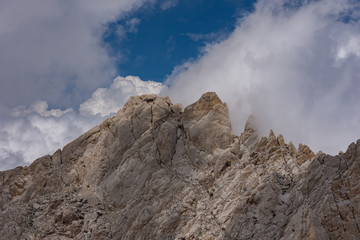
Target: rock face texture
(155, 171)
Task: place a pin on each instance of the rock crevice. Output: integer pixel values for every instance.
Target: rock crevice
(155, 171)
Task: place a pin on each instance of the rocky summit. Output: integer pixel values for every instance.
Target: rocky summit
(156, 171)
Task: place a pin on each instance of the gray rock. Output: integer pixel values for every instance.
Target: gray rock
(208, 119)
(155, 172)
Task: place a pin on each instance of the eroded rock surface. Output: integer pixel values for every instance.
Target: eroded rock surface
(154, 171)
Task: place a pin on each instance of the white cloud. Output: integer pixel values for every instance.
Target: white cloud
(282, 64)
(29, 133)
(105, 101)
(350, 47)
(39, 107)
(166, 4)
(295, 69)
(120, 32)
(133, 24)
(130, 26)
(53, 50)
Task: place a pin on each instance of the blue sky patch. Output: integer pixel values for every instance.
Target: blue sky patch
(149, 43)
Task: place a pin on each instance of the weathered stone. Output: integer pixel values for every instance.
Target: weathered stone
(281, 140)
(304, 153)
(208, 119)
(153, 172)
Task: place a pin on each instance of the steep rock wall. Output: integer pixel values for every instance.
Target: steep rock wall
(154, 171)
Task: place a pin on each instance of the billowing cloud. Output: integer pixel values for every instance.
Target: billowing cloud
(105, 101)
(351, 46)
(53, 50)
(31, 133)
(27, 133)
(295, 67)
(39, 107)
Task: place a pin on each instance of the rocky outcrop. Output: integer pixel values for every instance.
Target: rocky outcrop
(206, 120)
(154, 171)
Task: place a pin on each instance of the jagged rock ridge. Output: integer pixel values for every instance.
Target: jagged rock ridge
(156, 172)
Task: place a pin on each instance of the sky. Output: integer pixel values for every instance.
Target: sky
(68, 65)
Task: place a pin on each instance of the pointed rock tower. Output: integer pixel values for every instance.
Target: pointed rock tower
(154, 171)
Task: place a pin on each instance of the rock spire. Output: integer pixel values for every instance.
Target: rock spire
(155, 171)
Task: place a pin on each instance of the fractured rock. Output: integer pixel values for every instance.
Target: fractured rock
(155, 172)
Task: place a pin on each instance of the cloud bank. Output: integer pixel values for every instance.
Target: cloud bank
(294, 66)
(29, 133)
(105, 101)
(53, 50)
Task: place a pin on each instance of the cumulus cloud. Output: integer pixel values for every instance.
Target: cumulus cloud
(351, 46)
(105, 101)
(39, 107)
(295, 67)
(53, 50)
(31, 133)
(27, 133)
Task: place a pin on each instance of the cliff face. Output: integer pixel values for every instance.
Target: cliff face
(156, 172)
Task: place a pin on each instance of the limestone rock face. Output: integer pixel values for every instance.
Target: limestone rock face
(206, 120)
(154, 171)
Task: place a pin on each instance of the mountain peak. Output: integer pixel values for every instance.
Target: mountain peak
(207, 123)
(154, 171)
